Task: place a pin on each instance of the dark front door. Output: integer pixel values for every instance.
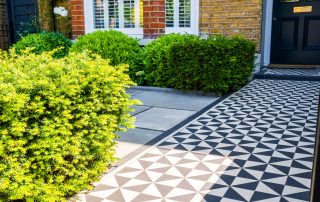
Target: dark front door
(296, 32)
(22, 17)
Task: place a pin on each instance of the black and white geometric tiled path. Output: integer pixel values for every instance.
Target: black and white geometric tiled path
(256, 145)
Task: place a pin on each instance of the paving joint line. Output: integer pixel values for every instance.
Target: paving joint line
(170, 108)
(151, 129)
(141, 111)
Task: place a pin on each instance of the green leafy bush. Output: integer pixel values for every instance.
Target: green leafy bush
(217, 64)
(114, 45)
(58, 119)
(44, 41)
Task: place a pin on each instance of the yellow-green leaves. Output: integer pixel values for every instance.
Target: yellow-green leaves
(58, 119)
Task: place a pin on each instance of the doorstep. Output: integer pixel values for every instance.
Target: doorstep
(289, 74)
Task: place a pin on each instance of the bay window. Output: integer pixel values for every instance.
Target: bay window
(122, 15)
(181, 16)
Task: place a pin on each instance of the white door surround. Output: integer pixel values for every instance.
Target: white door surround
(267, 32)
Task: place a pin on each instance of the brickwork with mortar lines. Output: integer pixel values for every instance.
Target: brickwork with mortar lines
(232, 17)
(77, 17)
(4, 41)
(153, 18)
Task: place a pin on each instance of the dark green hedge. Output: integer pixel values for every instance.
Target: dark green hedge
(116, 46)
(43, 42)
(217, 64)
(58, 119)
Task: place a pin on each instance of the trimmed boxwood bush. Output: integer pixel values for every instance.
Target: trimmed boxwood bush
(58, 120)
(44, 41)
(114, 45)
(217, 64)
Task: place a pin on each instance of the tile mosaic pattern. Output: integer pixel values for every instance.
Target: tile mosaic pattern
(294, 72)
(256, 145)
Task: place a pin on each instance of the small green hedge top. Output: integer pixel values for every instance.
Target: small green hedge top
(44, 41)
(187, 62)
(58, 120)
(113, 45)
(164, 69)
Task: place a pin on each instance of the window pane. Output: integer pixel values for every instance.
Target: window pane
(169, 13)
(128, 6)
(98, 14)
(113, 9)
(184, 13)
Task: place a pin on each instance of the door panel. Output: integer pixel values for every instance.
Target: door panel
(312, 39)
(287, 34)
(295, 32)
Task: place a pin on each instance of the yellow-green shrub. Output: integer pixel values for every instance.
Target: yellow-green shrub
(57, 123)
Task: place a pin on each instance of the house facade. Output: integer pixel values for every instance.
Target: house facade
(147, 19)
(285, 31)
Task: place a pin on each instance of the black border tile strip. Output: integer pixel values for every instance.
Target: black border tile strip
(315, 184)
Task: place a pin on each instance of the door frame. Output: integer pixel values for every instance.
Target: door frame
(267, 15)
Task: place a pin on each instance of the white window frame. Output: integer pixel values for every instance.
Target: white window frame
(90, 24)
(194, 19)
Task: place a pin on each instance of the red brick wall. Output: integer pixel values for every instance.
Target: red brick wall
(77, 17)
(153, 18)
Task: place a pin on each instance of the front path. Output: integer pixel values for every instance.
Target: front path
(255, 145)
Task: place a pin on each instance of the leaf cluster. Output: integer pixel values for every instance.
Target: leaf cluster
(116, 46)
(58, 119)
(43, 42)
(186, 62)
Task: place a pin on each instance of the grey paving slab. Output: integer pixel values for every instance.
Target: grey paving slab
(133, 91)
(161, 118)
(138, 135)
(138, 109)
(133, 139)
(174, 100)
